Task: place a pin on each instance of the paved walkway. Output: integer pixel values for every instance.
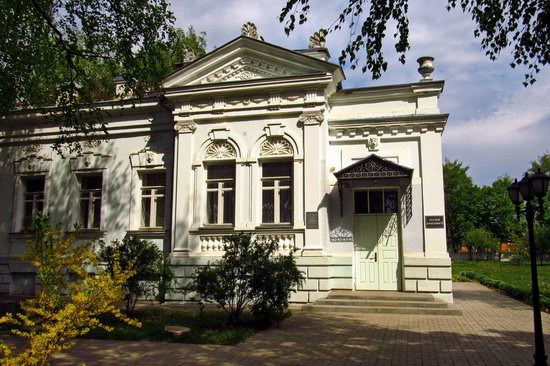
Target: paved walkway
(493, 330)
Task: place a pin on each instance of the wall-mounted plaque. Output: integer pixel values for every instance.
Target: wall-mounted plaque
(312, 220)
(434, 222)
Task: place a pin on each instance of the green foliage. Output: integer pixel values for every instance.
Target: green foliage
(207, 327)
(520, 253)
(70, 301)
(516, 293)
(521, 26)
(481, 240)
(250, 274)
(542, 240)
(468, 206)
(153, 276)
(498, 213)
(461, 202)
(182, 40)
(518, 276)
(66, 55)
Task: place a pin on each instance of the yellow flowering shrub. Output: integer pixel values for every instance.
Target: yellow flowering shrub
(70, 300)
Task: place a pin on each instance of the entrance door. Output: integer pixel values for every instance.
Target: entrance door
(376, 241)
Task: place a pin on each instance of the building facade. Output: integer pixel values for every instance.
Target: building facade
(252, 138)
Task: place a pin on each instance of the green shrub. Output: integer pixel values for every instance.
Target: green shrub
(250, 274)
(154, 276)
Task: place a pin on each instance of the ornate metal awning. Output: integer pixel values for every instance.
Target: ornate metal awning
(372, 167)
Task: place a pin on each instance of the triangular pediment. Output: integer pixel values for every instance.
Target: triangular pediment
(247, 59)
(373, 166)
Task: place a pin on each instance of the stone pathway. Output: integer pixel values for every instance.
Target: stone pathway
(493, 330)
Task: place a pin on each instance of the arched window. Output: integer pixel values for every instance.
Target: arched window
(276, 181)
(220, 183)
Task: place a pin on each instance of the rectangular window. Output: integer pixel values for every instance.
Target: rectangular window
(376, 201)
(277, 193)
(90, 201)
(220, 194)
(33, 200)
(152, 199)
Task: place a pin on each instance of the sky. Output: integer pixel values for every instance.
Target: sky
(496, 125)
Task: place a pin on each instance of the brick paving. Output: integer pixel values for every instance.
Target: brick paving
(493, 330)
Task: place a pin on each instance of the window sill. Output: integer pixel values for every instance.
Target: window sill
(148, 232)
(275, 226)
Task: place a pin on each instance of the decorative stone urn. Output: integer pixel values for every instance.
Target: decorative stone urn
(426, 67)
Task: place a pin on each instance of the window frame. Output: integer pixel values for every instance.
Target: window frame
(277, 189)
(380, 189)
(34, 199)
(153, 196)
(90, 191)
(220, 189)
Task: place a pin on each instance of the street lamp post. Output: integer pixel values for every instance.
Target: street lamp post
(527, 189)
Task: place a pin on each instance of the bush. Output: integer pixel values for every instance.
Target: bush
(153, 277)
(250, 274)
(69, 303)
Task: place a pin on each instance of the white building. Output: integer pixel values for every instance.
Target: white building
(255, 138)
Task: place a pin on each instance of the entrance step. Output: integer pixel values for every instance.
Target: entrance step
(381, 302)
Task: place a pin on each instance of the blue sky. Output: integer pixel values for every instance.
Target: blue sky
(496, 126)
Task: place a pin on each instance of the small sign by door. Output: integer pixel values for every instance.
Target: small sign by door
(312, 220)
(435, 222)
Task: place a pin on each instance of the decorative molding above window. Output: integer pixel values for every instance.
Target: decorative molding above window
(146, 159)
(276, 147)
(89, 160)
(274, 129)
(219, 134)
(33, 164)
(220, 150)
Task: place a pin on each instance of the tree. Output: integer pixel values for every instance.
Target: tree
(498, 212)
(153, 276)
(480, 239)
(70, 301)
(542, 229)
(66, 54)
(462, 201)
(522, 26)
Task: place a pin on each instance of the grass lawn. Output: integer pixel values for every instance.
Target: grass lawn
(210, 327)
(515, 275)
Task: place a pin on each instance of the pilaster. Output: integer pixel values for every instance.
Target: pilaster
(433, 200)
(182, 201)
(312, 169)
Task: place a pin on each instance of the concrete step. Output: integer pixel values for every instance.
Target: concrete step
(379, 310)
(383, 303)
(382, 296)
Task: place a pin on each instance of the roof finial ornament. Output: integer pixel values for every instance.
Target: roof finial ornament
(188, 54)
(317, 40)
(426, 67)
(249, 30)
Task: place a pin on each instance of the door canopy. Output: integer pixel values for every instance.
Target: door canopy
(373, 167)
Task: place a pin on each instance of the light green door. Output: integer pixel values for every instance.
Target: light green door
(376, 252)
